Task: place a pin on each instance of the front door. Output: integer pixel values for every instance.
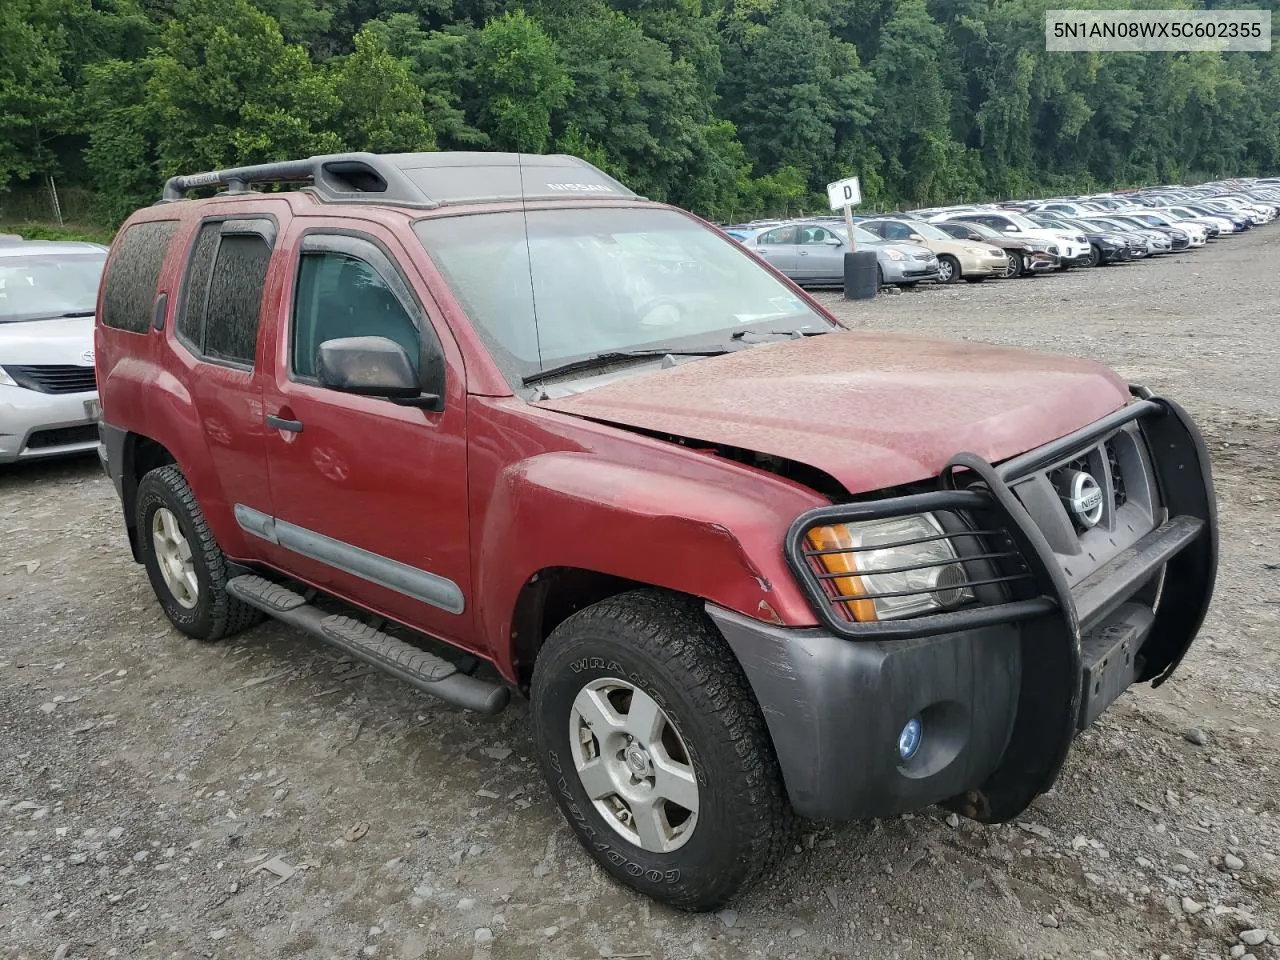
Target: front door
(820, 255)
(370, 497)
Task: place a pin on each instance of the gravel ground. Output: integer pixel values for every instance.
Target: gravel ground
(264, 797)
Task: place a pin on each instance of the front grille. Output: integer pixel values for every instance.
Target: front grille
(1118, 496)
(54, 378)
(1081, 539)
(63, 436)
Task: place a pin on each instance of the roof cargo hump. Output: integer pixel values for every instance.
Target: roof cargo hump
(420, 179)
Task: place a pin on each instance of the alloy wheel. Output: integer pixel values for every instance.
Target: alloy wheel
(173, 557)
(633, 764)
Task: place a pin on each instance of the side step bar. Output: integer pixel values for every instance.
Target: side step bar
(421, 670)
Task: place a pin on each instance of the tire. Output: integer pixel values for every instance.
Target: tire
(948, 269)
(1095, 255)
(879, 277)
(206, 612)
(663, 648)
(1015, 266)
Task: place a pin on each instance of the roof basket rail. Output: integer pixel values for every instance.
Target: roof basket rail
(356, 177)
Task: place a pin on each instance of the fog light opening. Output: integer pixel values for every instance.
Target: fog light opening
(909, 739)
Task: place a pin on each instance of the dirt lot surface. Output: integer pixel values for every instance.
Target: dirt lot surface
(146, 780)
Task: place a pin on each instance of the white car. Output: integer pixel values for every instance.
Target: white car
(1223, 223)
(48, 391)
(1072, 248)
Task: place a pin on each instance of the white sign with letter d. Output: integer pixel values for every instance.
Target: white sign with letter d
(844, 193)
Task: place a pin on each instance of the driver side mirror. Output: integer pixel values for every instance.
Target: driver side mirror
(915, 238)
(834, 242)
(378, 367)
(1010, 228)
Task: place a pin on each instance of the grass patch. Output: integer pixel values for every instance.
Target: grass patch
(51, 231)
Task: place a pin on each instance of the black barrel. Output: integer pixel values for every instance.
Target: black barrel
(861, 279)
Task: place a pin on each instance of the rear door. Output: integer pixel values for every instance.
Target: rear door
(778, 246)
(215, 337)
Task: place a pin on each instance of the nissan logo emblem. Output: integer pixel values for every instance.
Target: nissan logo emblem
(87, 356)
(1084, 499)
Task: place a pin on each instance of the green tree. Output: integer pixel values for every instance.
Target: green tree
(519, 81)
(225, 89)
(380, 108)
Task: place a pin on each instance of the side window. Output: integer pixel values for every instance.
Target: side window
(222, 295)
(348, 288)
(129, 289)
(779, 235)
(814, 235)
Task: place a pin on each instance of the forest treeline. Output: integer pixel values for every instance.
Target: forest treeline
(727, 107)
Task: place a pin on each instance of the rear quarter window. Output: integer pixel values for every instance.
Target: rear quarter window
(129, 288)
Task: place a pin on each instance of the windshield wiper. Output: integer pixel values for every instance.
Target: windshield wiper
(614, 356)
(796, 334)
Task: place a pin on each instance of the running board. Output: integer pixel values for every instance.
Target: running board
(421, 670)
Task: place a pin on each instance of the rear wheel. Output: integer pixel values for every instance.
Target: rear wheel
(948, 269)
(187, 570)
(656, 751)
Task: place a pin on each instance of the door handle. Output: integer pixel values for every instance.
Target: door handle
(804, 253)
(280, 423)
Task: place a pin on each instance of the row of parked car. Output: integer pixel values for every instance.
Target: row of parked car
(978, 242)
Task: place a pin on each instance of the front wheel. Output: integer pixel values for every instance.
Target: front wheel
(1013, 264)
(1095, 255)
(656, 751)
(948, 269)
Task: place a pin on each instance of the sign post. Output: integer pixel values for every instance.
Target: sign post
(861, 273)
(847, 194)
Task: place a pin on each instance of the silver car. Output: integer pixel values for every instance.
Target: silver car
(812, 252)
(48, 392)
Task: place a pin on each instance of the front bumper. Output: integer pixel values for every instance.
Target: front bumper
(1002, 688)
(1039, 261)
(35, 424)
(972, 265)
(908, 271)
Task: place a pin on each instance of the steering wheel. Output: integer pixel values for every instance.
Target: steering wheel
(660, 312)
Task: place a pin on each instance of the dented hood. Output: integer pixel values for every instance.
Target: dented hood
(871, 409)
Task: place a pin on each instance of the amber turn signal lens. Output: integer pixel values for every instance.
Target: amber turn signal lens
(850, 585)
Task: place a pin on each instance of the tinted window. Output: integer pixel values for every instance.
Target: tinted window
(235, 298)
(130, 287)
(814, 235)
(195, 296)
(779, 235)
(340, 295)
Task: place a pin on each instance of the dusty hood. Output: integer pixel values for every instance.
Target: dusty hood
(871, 409)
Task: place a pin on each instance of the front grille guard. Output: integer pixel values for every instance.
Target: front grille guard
(1033, 584)
(1050, 688)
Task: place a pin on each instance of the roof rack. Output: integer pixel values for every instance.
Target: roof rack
(423, 180)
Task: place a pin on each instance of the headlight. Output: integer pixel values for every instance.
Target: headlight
(895, 255)
(889, 569)
(6, 380)
(978, 251)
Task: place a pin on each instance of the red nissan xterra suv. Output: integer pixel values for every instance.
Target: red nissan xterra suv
(490, 421)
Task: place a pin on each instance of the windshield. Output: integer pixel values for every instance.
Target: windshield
(41, 285)
(591, 281)
(928, 230)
